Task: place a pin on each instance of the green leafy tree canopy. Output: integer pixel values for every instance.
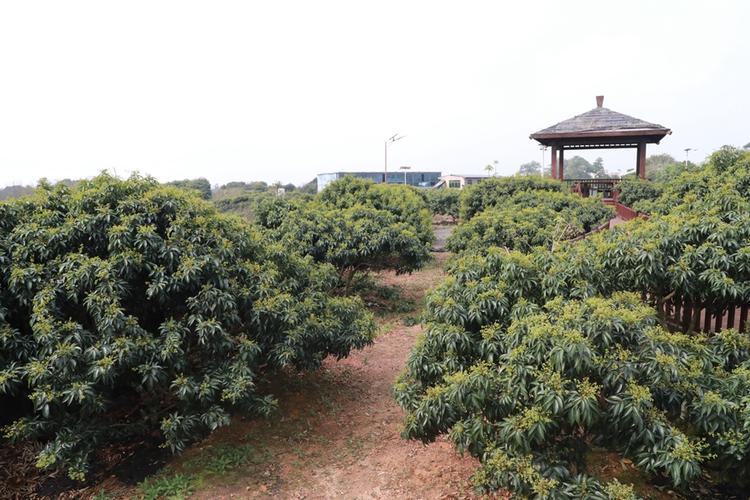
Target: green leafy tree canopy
(126, 305)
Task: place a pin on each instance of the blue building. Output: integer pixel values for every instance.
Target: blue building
(418, 179)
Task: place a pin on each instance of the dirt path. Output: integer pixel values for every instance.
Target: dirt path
(338, 430)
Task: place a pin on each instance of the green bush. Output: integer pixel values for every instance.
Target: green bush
(444, 202)
(633, 190)
(201, 185)
(722, 184)
(527, 379)
(126, 305)
(356, 240)
(356, 225)
(496, 190)
(529, 219)
(530, 359)
(401, 201)
(512, 228)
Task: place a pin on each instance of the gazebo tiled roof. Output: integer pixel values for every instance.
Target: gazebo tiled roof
(600, 128)
(600, 120)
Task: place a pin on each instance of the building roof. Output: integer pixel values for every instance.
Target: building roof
(468, 176)
(380, 172)
(602, 122)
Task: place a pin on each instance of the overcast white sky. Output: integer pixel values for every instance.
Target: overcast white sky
(284, 90)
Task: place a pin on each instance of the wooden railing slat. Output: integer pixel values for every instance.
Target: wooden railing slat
(687, 316)
(706, 319)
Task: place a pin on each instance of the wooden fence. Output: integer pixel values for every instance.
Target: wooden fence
(687, 317)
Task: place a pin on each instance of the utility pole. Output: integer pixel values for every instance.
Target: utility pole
(390, 140)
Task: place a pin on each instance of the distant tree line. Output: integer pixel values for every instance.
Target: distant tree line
(660, 168)
(16, 191)
(575, 168)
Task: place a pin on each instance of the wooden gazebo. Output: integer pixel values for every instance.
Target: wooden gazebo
(600, 128)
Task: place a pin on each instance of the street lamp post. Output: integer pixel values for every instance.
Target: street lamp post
(687, 152)
(404, 168)
(390, 140)
(544, 150)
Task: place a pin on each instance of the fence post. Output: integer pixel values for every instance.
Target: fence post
(719, 318)
(706, 319)
(687, 316)
(730, 318)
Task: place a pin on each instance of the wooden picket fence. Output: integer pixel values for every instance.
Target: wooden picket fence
(687, 317)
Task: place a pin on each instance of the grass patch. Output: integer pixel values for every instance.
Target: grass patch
(175, 487)
(384, 299)
(411, 320)
(213, 462)
(227, 457)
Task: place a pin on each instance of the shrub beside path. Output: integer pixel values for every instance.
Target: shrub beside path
(337, 434)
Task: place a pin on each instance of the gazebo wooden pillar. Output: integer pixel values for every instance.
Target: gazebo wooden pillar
(640, 163)
(600, 128)
(561, 164)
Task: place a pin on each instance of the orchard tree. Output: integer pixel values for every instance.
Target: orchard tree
(529, 219)
(355, 225)
(127, 306)
(722, 183)
(528, 389)
(494, 191)
(356, 240)
(531, 358)
(401, 201)
(444, 202)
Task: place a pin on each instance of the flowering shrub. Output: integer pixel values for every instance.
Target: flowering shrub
(125, 305)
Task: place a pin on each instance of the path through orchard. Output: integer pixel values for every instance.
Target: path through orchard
(337, 432)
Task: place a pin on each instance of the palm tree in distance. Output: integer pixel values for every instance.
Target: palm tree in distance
(491, 169)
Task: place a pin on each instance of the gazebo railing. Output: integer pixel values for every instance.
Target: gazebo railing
(592, 187)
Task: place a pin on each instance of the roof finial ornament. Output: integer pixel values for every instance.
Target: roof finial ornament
(599, 101)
